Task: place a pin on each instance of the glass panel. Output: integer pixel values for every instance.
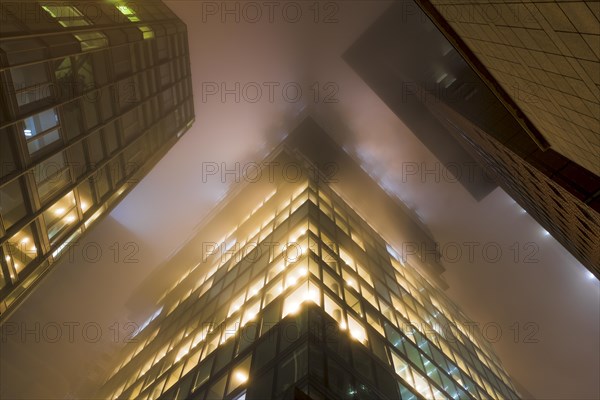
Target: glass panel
(22, 249)
(40, 122)
(39, 143)
(291, 370)
(91, 40)
(12, 205)
(60, 216)
(239, 374)
(203, 372)
(63, 71)
(216, 391)
(31, 83)
(51, 175)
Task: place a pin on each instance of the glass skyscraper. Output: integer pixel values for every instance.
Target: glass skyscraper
(93, 94)
(301, 298)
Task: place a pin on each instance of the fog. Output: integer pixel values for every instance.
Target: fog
(538, 305)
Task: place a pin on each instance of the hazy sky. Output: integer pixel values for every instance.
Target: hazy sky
(540, 298)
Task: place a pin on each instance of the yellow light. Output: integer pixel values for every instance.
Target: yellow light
(24, 240)
(303, 271)
(182, 353)
(249, 318)
(7, 258)
(293, 308)
(84, 205)
(59, 211)
(70, 218)
(241, 376)
(343, 325)
(350, 282)
(358, 335)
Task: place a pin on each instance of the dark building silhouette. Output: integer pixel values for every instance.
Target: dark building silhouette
(288, 291)
(93, 95)
(437, 84)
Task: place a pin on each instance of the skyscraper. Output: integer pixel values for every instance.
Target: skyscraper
(522, 111)
(93, 95)
(289, 292)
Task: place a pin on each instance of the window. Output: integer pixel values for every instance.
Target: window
(22, 249)
(12, 204)
(291, 370)
(130, 14)
(60, 217)
(31, 83)
(51, 175)
(67, 16)
(239, 374)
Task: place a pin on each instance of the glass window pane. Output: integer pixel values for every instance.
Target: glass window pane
(239, 374)
(12, 205)
(51, 175)
(292, 370)
(216, 391)
(40, 122)
(28, 75)
(39, 143)
(60, 217)
(22, 249)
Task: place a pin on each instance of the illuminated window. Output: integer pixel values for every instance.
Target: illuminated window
(67, 16)
(236, 305)
(334, 310)
(240, 374)
(364, 274)
(353, 302)
(273, 291)
(131, 15)
(357, 239)
(255, 288)
(357, 331)
(251, 312)
(60, 217)
(22, 250)
(306, 292)
(345, 256)
(296, 274)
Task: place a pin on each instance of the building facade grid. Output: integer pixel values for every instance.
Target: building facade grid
(93, 94)
(215, 333)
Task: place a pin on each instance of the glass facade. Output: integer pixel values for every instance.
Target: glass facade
(304, 299)
(93, 94)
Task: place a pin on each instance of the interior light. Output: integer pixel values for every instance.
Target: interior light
(59, 211)
(24, 240)
(84, 205)
(7, 258)
(27, 132)
(358, 335)
(293, 308)
(70, 218)
(343, 325)
(241, 376)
